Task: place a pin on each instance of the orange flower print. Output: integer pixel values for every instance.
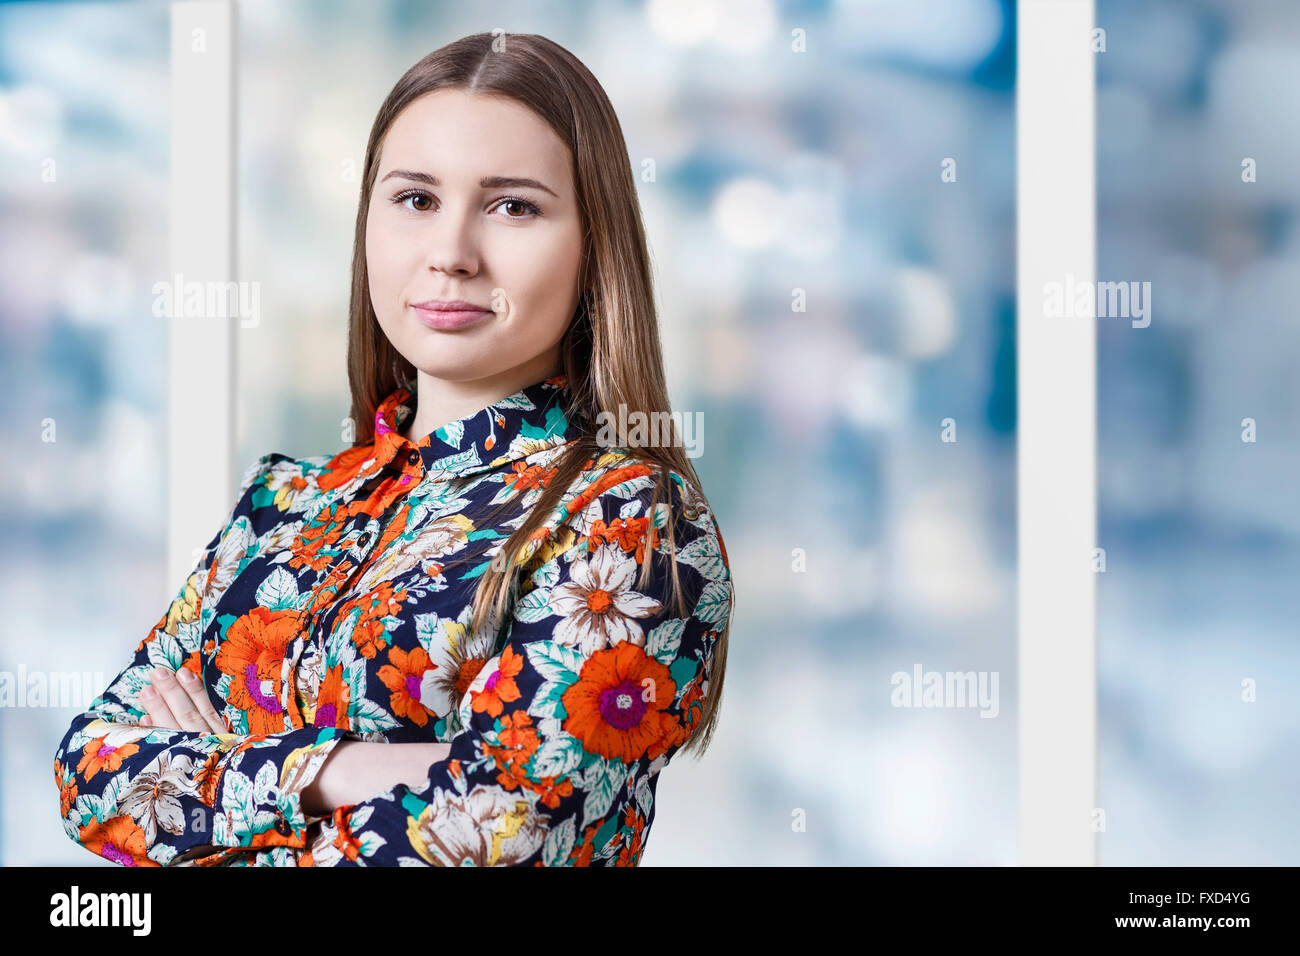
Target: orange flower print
(271, 837)
(674, 734)
(500, 688)
(369, 637)
(519, 741)
(692, 705)
(332, 700)
(524, 477)
(551, 793)
(344, 466)
(346, 842)
(403, 676)
(252, 654)
(618, 706)
(370, 633)
(315, 544)
(328, 588)
(630, 534)
(630, 854)
(519, 734)
(67, 788)
(582, 853)
(100, 755)
(119, 840)
(207, 779)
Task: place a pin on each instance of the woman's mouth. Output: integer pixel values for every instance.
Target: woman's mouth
(447, 317)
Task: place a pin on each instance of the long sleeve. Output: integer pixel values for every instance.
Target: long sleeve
(599, 681)
(143, 796)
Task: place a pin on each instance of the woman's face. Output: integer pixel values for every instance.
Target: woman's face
(451, 218)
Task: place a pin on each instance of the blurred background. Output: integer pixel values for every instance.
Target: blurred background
(1201, 529)
(833, 234)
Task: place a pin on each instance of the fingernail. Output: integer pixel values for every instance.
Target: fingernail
(161, 674)
(146, 721)
(187, 675)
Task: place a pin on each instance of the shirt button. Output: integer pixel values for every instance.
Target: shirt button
(413, 457)
(282, 825)
(364, 539)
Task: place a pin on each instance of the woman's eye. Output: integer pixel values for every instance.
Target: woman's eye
(401, 198)
(522, 207)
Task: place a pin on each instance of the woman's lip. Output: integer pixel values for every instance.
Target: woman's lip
(445, 320)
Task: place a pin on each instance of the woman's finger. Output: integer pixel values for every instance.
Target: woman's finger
(178, 700)
(199, 694)
(156, 708)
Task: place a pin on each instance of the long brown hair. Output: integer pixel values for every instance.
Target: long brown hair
(610, 354)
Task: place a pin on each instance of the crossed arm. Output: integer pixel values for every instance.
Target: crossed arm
(355, 771)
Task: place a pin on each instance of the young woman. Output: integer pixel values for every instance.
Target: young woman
(479, 633)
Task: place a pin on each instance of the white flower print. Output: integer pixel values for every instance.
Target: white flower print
(153, 799)
(229, 558)
(597, 605)
(488, 827)
(290, 485)
(458, 658)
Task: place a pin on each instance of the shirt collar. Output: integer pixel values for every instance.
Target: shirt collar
(532, 419)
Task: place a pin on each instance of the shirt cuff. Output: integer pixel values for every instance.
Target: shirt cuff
(259, 794)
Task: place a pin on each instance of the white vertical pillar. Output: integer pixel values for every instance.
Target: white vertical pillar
(1056, 435)
(201, 350)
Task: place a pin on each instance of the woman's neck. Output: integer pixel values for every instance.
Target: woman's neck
(440, 400)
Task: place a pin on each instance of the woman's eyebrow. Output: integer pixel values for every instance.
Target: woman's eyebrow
(487, 182)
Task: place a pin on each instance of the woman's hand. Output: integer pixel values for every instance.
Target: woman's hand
(354, 772)
(179, 701)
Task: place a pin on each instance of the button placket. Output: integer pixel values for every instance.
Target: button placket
(290, 685)
(364, 540)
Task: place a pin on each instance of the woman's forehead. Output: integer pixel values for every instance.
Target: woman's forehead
(454, 135)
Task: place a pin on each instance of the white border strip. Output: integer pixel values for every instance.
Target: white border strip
(201, 469)
(1057, 430)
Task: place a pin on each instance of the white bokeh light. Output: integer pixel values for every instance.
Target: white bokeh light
(749, 212)
(927, 313)
(877, 391)
(683, 22)
(31, 120)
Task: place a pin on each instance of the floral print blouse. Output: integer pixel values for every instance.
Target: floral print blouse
(321, 612)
